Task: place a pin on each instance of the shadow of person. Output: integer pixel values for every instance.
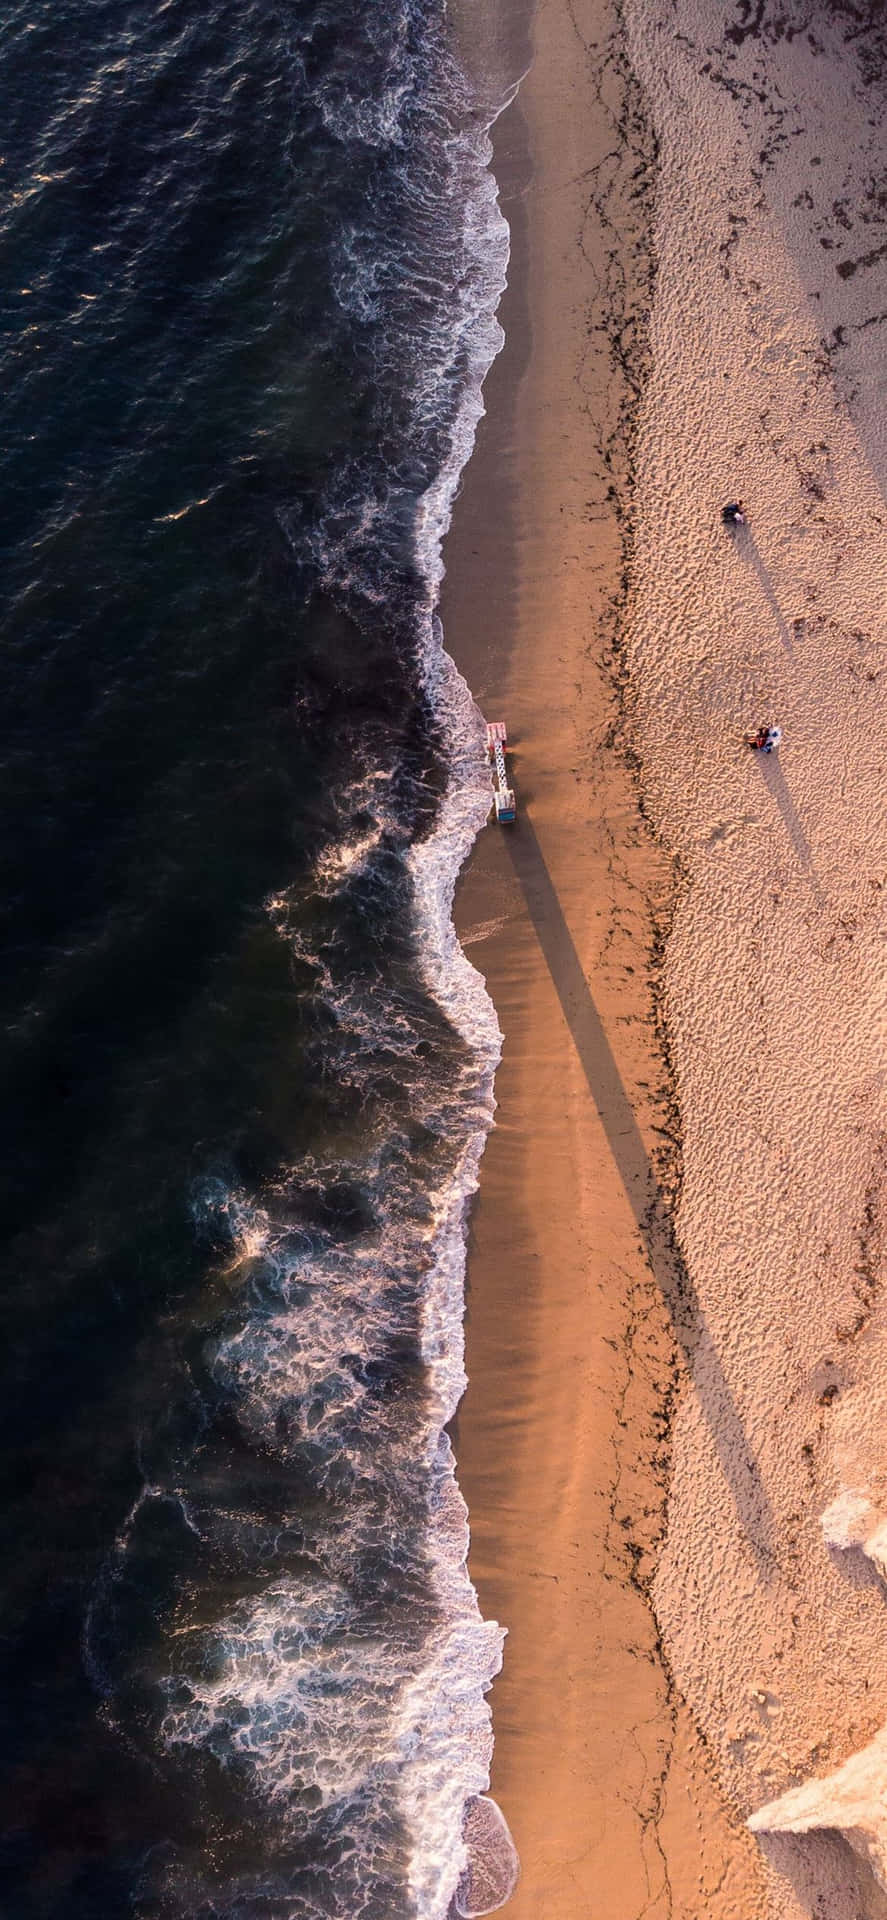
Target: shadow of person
(640, 1185)
(745, 541)
(775, 781)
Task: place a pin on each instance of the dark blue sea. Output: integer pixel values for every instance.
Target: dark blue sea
(251, 255)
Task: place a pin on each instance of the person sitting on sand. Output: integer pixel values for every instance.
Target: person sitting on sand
(733, 514)
(766, 739)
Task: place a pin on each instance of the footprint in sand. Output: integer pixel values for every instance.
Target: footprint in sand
(728, 830)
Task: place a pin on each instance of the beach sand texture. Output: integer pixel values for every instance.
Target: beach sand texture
(571, 1349)
(672, 1668)
(767, 381)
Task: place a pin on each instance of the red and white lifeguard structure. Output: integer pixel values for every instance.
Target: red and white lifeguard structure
(503, 795)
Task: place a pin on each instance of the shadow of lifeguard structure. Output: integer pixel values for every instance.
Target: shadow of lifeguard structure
(639, 1181)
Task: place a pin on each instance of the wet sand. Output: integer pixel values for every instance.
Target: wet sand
(577, 1328)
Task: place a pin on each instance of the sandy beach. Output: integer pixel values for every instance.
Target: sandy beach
(676, 1344)
(766, 381)
(572, 1355)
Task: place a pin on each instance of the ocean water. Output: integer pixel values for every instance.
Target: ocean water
(252, 255)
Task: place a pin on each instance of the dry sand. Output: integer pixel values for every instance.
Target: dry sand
(659, 1687)
(767, 381)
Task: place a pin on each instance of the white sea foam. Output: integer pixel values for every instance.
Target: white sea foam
(494, 1867)
(368, 800)
(295, 1685)
(452, 1765)
(374, 118)
(295, 1366)
(295, 1695)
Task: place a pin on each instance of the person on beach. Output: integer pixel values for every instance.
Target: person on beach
(766, 739)
(733, 514)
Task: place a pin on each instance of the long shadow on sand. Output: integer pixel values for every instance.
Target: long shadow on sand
(775, 780)
(639, 1182)
(745, 541)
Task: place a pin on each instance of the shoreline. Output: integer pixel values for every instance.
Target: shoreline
(561, 1440)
